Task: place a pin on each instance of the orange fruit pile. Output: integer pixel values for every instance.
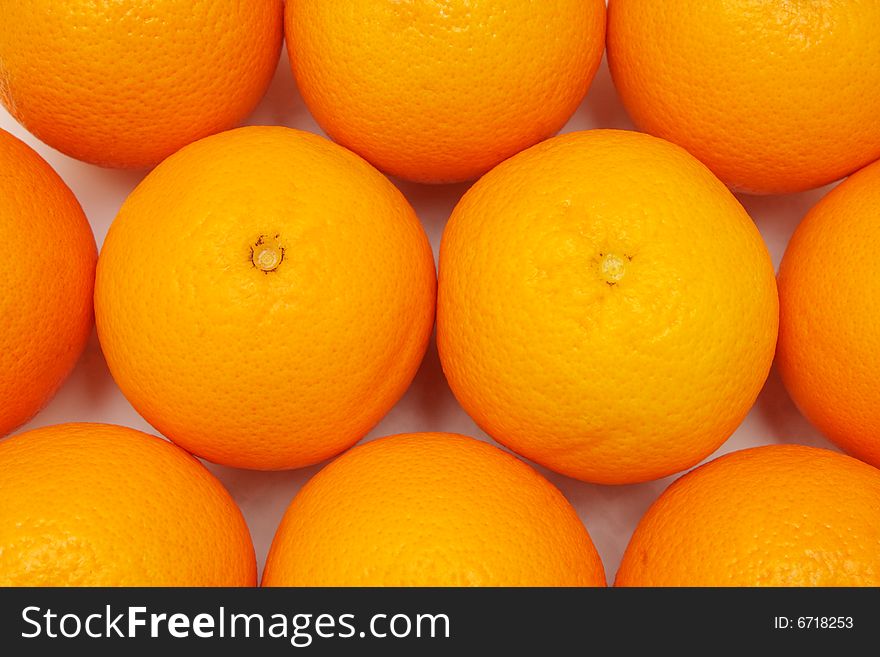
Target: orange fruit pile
(431, 510)
(101, 505)
(829, 292)
(125, 84)
(606, 307)
(778, 515)
(443, 91)
(773, 96)
(48, 275)
(264, 297)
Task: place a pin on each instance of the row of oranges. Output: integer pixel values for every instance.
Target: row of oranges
(773, 96)
(605, 306)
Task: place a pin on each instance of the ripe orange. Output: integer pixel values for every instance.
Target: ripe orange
(431, 509)
(606, 307)
(127, 83)
(443, 91)
(772, 96)
(101, 505)
(264, 297)
(778, 515)
(48, 274)
(829, 294)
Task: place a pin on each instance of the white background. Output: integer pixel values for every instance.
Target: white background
(609, 512)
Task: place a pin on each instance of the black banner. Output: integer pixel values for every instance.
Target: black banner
(433, 621)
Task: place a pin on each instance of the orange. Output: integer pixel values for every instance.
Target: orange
(431, 509)
(829, 295)
(126, 83)
(773, 96)
(48, 274)
(443, 91)
(264, 297)
(101, 505)
(606, 307)
(778, 515)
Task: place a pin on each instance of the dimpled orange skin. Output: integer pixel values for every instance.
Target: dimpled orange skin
(829, 294)
(48, 274)
(431, 509)
(443, 91)
(264, 297)
(606, 307)
(127, 83)
(102, 505)
(773, 96)
(778, 515)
